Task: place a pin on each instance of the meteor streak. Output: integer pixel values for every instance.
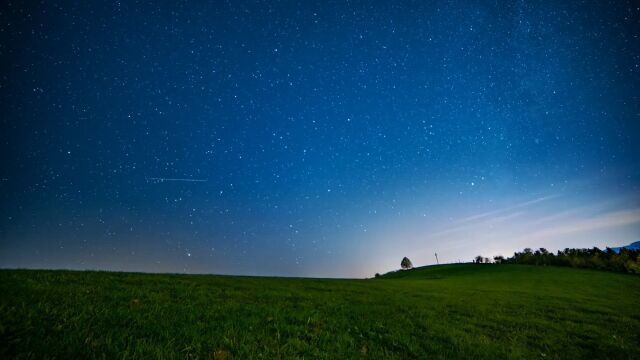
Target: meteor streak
(157, 179)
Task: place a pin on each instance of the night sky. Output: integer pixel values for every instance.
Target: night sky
(314, 138)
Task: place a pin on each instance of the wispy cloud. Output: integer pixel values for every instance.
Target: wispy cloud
(602, 221)
(493, 216)
(525, 223)
(506, 209)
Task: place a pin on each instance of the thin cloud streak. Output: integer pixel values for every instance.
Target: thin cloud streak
(522, 223)
(498, 211)
(609, 220)
(487, 217)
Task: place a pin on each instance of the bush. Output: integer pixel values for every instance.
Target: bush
(624, 261)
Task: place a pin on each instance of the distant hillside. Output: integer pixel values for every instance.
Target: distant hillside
(440, 271)
(632, 246)
(479, 272)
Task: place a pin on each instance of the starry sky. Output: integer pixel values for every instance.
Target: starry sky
(314, 138)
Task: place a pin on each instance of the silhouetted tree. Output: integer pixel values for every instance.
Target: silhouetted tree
(498, 259)
(406, 263)
(479, 259)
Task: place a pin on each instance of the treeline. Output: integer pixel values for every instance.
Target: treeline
(625, 260)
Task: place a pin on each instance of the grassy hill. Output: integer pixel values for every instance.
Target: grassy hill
(448, 311)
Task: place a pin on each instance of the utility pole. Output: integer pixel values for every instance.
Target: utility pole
(437, 262)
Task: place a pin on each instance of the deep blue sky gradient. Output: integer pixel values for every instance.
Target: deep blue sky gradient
(333, 138)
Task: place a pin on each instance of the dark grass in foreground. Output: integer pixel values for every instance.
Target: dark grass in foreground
(450, 311)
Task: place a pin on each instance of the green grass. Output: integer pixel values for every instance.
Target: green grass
(449, 311)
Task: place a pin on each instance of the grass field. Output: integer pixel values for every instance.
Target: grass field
(448, 311)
